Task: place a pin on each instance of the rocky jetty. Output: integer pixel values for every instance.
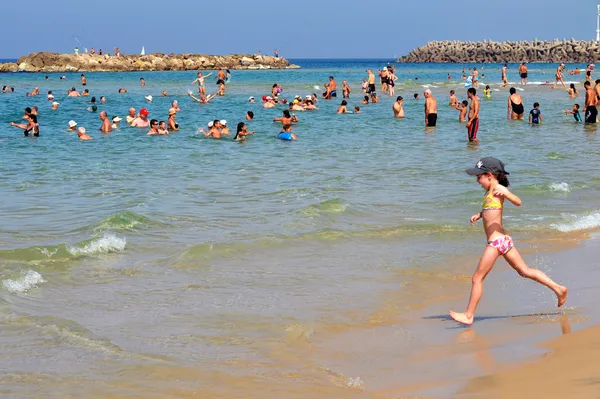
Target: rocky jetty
(496, 52)
(54, 62)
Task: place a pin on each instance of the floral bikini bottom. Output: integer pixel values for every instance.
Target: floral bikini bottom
(502, 244)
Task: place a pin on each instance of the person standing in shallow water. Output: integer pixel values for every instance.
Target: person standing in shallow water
(397, 107)
(492, 177)
(430, 109)
(473, 122)
(523, 73)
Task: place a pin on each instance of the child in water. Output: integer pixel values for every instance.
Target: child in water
(462, 107)
(574, 112)
(535, 115)
(286, 133)
(493, 178)
(487, 91)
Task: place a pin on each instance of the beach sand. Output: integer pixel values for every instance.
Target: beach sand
(571, 370)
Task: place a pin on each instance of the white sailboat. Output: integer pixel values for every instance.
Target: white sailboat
(143, 51)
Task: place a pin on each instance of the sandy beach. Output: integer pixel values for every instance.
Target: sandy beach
(570, 370)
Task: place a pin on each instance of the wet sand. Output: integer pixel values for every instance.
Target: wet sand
(570, 370)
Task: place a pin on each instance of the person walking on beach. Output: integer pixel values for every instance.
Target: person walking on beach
(515, 105)
(559, 76)
(430, 109)
(504, 79)
(591, 102)
(523, 73)
(473, 122)
(397, 107)
(492, 177)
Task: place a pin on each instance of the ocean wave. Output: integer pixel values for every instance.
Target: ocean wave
(586, 222)
(335, 205)
(24, 283)
(562, 187)
(106, 244)
(124, 221)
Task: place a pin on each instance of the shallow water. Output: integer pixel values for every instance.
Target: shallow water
(215, 266)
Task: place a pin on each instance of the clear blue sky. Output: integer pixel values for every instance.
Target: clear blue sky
(299, 29)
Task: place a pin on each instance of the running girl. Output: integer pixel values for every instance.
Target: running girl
(493, 178)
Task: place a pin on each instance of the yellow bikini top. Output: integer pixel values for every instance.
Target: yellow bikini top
(490, 202)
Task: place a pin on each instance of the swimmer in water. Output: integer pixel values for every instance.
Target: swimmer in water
(213, 131)
(356, 109)
(572, 91)
(365, 100)
(346, 89)
(453, 100)
(342, 108)
(463, 108)
(287, 119)
(172, 125)
(515, 105)
(397, 108)
(493, 178)
(574, 112)
(203, 99)
(201, 84)
(286, 133)
(162, 128)
(487, 91)
(31, 127)
(242, 133)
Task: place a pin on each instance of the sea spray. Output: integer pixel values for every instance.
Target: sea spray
(24, 283)
(579, 223)
(106, 244)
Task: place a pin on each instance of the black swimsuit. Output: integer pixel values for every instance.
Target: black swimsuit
(517, 108)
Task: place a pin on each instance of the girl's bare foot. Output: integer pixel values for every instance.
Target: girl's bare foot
(562, 296)
(462, 318)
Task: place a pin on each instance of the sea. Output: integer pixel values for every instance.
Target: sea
(180, 266)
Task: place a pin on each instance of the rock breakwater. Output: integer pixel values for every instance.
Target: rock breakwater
(501, 52)
(54, 62)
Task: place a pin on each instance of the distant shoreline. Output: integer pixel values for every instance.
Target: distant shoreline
(53, 62)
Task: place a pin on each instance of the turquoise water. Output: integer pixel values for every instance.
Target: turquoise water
(130, 250)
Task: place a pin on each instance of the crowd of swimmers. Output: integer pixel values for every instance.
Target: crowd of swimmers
(468, 111)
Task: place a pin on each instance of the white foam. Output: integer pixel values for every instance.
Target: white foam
(105, 244)
(562, 187)
(48, 253)
(355, 383)
(582, 223)
(30, 280)
(429, 86)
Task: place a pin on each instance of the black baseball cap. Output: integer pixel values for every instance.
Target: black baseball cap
(484, 165)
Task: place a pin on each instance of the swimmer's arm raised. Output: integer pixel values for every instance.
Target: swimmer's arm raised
(191, 95)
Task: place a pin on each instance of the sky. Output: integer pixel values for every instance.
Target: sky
(299, 29)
